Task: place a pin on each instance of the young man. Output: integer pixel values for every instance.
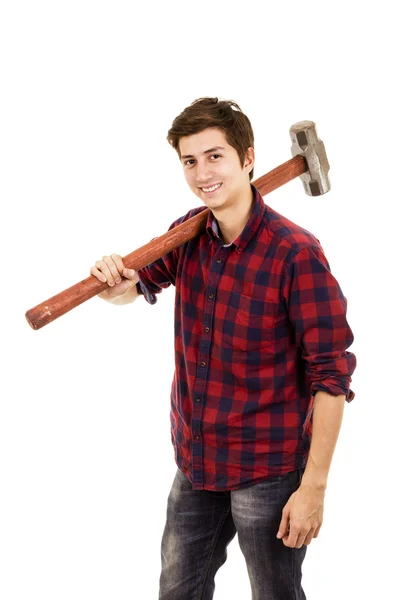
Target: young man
(261, 369)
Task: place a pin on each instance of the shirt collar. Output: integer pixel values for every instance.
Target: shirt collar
(251, 227)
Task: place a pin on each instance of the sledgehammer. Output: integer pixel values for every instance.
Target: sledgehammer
(309, 162)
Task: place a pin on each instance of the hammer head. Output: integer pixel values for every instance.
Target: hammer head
(306, 143)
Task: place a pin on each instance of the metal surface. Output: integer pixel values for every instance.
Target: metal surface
(306, 143)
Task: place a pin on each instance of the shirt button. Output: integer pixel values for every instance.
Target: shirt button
(196, 437)
(198, 399)
(207, 329)
(219, 260)
(203, 364)
(210, 295)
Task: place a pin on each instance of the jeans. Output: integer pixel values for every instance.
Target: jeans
(200, 524)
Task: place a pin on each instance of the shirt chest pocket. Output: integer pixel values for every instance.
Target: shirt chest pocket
(249, 323)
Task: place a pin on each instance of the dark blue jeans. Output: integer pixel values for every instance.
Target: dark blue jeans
(200, 524)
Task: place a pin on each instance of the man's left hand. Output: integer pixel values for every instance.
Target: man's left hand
(302, 517)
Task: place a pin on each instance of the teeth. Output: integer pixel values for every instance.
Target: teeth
(211, 189)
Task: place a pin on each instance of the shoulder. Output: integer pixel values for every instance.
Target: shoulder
(290, 238)
(291, 234)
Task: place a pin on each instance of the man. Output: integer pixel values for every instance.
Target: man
(261, 369)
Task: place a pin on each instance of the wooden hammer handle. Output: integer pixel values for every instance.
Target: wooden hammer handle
(58, 305)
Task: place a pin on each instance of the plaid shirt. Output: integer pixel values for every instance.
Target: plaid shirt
(260, 327)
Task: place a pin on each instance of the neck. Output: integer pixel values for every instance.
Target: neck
(233, 219)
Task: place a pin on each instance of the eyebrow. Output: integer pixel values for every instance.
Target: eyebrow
(206, 152)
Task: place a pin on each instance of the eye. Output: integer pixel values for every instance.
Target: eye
(189, 161)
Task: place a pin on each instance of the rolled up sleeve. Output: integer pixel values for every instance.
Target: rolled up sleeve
(162, 273)
(144, 291)
(159, 274)
(317, 311)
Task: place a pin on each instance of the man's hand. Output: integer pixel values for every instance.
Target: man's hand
(303, 514)
(121, 281)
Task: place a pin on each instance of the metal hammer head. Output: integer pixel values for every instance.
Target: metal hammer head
(306, 143)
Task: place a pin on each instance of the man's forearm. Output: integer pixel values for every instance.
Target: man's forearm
(327, 420)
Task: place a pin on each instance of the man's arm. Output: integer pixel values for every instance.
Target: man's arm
(303, 512)
(317, 311)
(327, 420)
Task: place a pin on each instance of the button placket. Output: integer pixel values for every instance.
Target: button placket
(202, 373)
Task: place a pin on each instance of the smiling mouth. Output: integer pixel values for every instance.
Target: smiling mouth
(213, 188)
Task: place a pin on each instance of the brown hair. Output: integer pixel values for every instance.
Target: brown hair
(226, 115)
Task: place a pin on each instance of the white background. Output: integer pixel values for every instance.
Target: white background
(88, 93)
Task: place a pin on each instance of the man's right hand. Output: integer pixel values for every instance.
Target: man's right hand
(119, 279)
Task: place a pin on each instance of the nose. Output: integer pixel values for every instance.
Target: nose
(203, 173)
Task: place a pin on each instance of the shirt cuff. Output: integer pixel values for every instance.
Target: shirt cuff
(142, 289)
(333, 388)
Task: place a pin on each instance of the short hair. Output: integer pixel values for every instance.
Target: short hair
(206, 112)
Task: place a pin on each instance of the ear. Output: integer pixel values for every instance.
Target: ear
(249, 160)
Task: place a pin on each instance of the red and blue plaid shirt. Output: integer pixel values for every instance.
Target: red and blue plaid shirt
(260, 327)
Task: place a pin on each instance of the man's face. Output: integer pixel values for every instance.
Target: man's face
(208, 161)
